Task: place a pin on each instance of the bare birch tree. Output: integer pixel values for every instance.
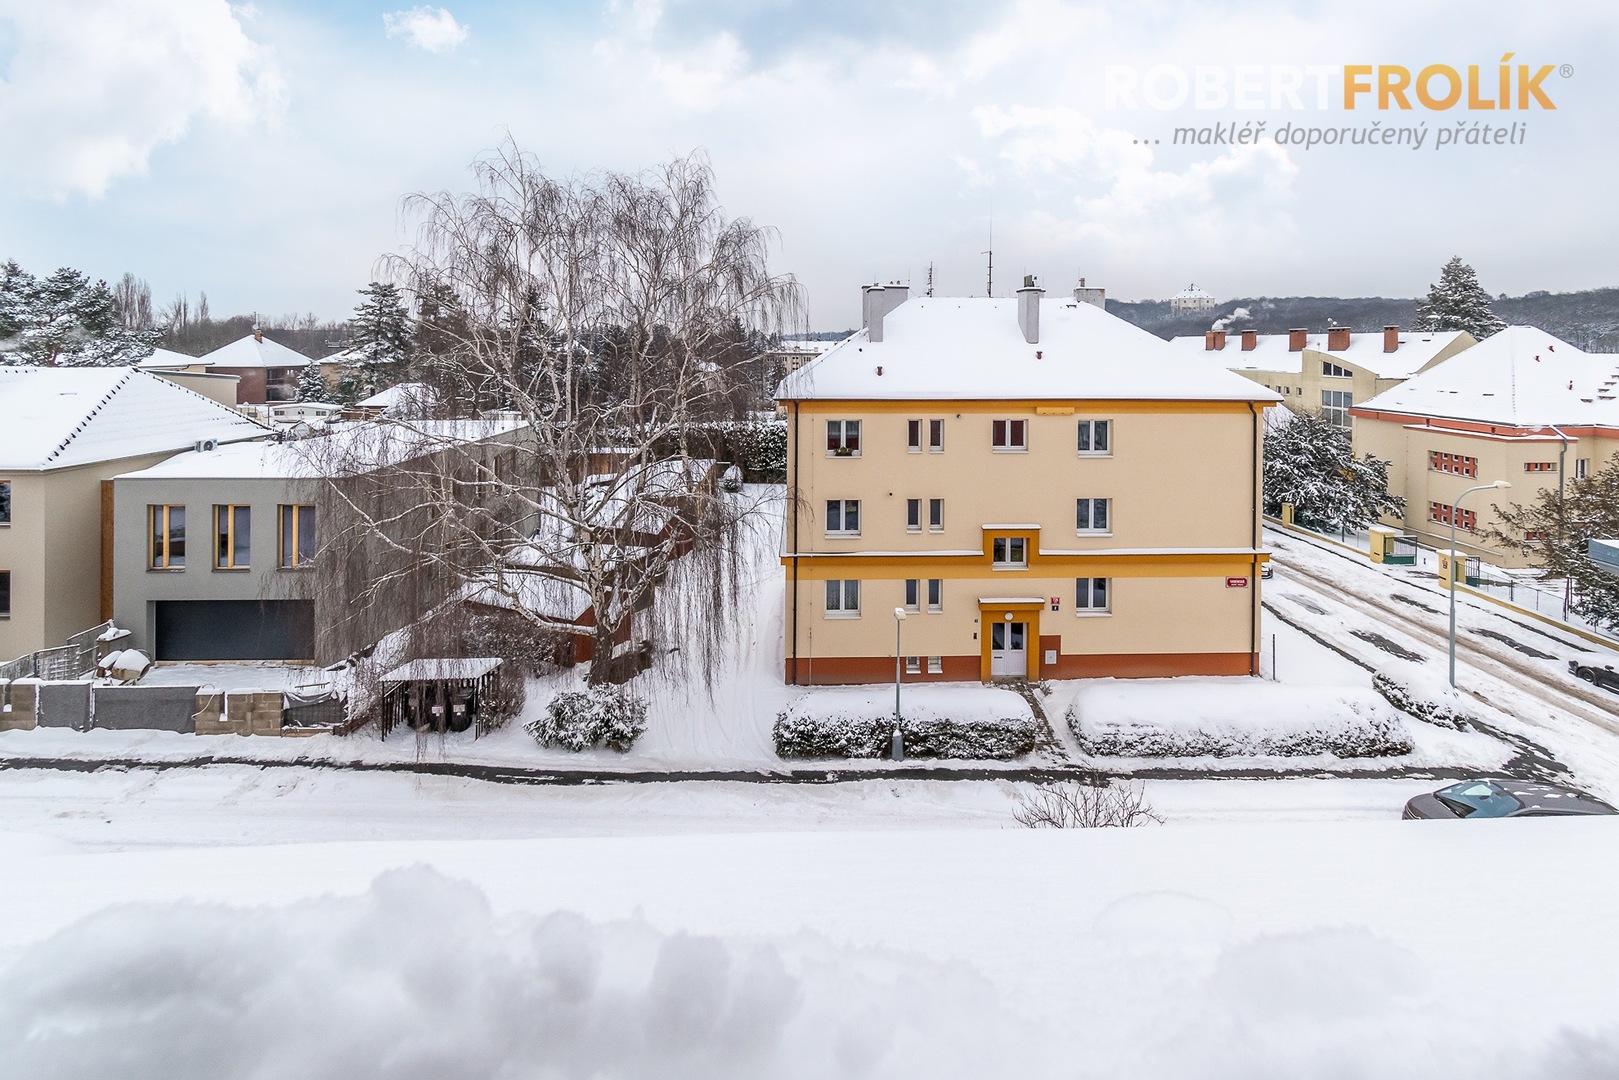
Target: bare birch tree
(602, 318)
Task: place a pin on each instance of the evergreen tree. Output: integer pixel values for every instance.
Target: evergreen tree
(380, 343)
(65, 319)
(312, 384)
(1458, 302)
(1311, 464)
(1553, 533)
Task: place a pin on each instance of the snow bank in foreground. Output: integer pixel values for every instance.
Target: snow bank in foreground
(963, 722)
(1214, 717)
(417, 978)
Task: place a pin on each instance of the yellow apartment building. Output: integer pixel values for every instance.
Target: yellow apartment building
(1045, 491)
(1521, 406)
(1330, 372)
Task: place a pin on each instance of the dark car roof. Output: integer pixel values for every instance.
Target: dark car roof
(1539, 798)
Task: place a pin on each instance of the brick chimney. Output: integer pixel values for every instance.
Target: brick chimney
(1391, 338)
(1250, 340)
(1337, 338)
(1028, 309)
(1296, 338)
(258, 334)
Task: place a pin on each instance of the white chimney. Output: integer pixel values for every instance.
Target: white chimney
(1028, 309)
(1092, 295)
(872, 310)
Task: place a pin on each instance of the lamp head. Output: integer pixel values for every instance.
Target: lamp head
(1502, 484)
(899, 613)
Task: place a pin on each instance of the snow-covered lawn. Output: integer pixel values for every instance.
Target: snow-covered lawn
(1216, 950)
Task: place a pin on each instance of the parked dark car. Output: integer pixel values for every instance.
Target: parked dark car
(1603, 676)
(1501, 798)
(1267, 571)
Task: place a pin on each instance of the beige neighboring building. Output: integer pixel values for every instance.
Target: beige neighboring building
(1046, 490)
(1328, 373)
(191, 373)
(1521, 406)
(66, 432)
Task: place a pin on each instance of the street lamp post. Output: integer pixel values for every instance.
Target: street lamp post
(1450, 578)
(896, 743)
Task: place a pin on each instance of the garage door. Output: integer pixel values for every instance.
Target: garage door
(235, 630)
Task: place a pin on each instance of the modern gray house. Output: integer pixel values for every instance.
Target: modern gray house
(214, 552)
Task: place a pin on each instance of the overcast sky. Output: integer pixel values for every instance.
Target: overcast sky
(259, 151)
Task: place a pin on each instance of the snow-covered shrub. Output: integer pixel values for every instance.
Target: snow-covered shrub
(1233, 718)
(868, 735)
(583, 719)
(1440, 713)
(1085, 806)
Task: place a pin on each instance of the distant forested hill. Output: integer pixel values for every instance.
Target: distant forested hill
(1589, 319)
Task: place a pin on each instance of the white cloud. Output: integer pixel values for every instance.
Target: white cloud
(94, 88)
(426, 27)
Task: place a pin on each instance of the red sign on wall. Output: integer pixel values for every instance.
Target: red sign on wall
(1236, 583)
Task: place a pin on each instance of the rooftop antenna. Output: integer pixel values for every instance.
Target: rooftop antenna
(930, 279)
(990, 288)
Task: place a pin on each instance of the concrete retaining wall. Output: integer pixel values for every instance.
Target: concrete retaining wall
(64, 704)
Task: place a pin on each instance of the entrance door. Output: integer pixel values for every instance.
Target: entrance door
(1008, 650)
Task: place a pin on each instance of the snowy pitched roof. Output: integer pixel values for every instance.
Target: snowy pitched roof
(248, 352)
(56, 418)
(1271, 352)
(971, 348)
(410, 395)
(347, 449)
(1521, 376)
(1191, 292)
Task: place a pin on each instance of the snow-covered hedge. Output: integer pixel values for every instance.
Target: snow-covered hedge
(937, 722)
(1187, 718)
(584, 719)
(1402, 697)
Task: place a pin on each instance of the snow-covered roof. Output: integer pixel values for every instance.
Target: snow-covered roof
(347, 449)
(971, 348)
(250, 353)
(1521, 376)
(167, 359)
(1271, 352)
(410, 395)
(1191, 292)
(433, 670)
(55, 418)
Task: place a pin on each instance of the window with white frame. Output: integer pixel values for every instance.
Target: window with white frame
(1007, 436)
(843, 438)
(1582, 468)
(913, 436)
(913, 594)
(913, 665)
(1009, 551)
(843, 598)
(936, 515)
(1096, 437)
(1335, 406)
(913, 515)
(1091, 595)
(935, 436)
(935, 594)
(935, 665)
(843, 517)
(1093, 515)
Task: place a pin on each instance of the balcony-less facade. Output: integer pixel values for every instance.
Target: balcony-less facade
(1046, 491)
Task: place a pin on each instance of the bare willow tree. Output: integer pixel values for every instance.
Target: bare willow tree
(596, 321)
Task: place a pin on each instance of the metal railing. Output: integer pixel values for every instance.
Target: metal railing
(75, 660)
